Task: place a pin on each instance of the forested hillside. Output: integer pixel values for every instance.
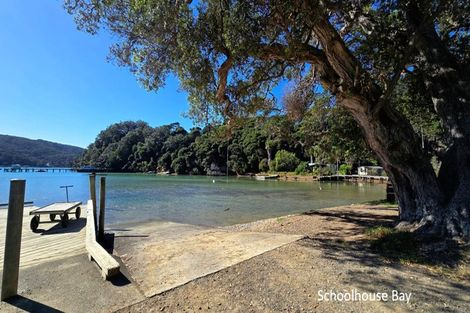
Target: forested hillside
(24, 151)
(251, 145)
(287, 141)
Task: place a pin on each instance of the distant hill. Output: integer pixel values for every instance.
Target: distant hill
(24, 151)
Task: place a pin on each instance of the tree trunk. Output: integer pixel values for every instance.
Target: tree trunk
(397, 147)
(448, 83)
(268, 151)
(424, 201)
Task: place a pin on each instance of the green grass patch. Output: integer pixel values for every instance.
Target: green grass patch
(396, 245)
(378, 232)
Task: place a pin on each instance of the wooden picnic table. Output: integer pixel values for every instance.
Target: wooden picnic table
(63, 209)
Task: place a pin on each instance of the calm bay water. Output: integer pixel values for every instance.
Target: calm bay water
(193, 199)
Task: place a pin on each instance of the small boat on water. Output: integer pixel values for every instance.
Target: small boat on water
(266, 177)
(166, 173)
(15, 167)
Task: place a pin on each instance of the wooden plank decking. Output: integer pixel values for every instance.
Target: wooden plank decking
(50, 242)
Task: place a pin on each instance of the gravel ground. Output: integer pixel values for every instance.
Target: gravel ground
(333, 257)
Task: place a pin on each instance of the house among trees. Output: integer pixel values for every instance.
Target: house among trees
(370, 171)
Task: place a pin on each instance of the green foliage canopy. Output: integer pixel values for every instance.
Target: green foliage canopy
(245, 147)
(285, 161)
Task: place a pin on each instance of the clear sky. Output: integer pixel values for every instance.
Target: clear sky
(55, 82)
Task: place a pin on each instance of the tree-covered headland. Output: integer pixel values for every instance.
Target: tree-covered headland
(247, 146)
(391, 65)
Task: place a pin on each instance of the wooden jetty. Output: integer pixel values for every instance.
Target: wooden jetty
(356, 178)
(36, 169)
(50, 242)
(351, 178)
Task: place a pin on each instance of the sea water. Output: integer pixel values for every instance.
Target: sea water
(199, 200)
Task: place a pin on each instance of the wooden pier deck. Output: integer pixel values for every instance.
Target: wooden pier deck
(50, 242)
(36, 169)
(364, 178)
(350, 178)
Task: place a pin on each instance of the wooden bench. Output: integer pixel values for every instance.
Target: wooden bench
(107, 264)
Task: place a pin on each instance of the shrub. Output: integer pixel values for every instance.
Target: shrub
(194, 171)
(179, 165)
(263, 165)
(285, 161)
(323, 171)
(345, 169)
(302, 168)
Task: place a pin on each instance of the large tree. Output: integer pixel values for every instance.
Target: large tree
(230, 54)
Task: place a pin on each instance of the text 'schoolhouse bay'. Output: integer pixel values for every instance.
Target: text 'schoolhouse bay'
(355, 295)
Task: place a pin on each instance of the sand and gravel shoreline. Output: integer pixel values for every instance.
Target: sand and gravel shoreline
(332, 256)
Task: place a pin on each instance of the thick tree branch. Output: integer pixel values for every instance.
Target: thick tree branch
(352, 77)
(338, 55)
(300, 53)
(392, 83)
(223, 72)
(447, 80)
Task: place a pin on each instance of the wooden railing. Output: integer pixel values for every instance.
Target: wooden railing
(107, 264)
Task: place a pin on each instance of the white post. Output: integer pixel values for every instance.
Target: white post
(93, 196)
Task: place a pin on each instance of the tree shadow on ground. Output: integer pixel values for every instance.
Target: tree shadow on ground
(380, 238)
(367, 253)
(361, 219)
(382, 202)
(369, 271)
(30, 305)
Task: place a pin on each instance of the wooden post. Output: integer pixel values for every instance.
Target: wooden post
(11, 260)
(93, 195)
(102, 208)
(390, 192)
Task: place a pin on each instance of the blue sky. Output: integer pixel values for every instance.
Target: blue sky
(55, 82)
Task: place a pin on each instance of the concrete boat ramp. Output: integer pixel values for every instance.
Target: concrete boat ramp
(156, 256)
(163, 255)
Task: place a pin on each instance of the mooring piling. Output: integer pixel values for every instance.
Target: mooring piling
(102, 208)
